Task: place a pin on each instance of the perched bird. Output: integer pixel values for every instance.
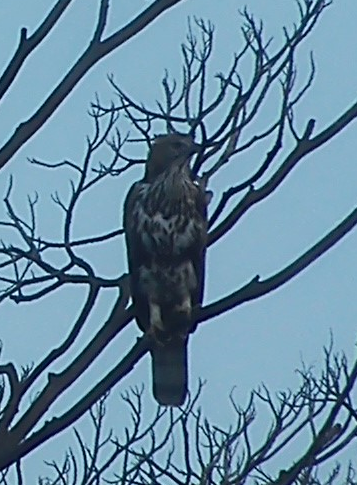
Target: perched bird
(165, 226)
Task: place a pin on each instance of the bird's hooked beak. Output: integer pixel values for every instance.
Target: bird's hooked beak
(195, 148)
(190, 150)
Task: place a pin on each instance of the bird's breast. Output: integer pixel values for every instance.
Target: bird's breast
(167, 224)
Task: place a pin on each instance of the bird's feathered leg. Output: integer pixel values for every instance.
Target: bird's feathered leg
(182, 314)
(156, 324)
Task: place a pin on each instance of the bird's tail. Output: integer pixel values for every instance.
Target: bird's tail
(169, 371)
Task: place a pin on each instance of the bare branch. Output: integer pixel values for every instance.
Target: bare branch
(257, 288)
(94, 53)
(28, 44)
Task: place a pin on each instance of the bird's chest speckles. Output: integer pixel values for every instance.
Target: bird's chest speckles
(166, 218)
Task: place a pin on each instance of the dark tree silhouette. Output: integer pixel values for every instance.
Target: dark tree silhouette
(29, 271)
(183, 447)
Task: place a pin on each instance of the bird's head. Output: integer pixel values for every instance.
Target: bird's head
(168, 151)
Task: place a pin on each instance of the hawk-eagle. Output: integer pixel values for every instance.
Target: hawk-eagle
(165, 226)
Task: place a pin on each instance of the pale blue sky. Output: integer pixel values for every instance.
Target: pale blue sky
(260, 341)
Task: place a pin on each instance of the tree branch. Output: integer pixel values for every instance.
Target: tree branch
(256, 288)
(94, 53)
(59, 382)
(56, 425)
(304, 146)
(29, 44)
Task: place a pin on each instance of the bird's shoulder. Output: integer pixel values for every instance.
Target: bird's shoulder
(133, 197)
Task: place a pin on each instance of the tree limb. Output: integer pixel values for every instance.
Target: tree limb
(305, 146)
(94, 53)
(257, 288)
(29, 44)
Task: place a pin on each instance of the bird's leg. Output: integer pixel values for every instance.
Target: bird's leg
(183, 313)
(156, 325)
(185, 306)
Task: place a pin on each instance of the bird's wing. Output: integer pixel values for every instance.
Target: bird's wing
(136, 255)
(169, 360)
(197, 252)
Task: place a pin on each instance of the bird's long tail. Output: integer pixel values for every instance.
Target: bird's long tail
(169, 371)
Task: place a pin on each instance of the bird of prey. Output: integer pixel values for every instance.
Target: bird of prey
(165, 226)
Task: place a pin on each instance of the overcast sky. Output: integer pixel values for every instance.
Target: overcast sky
(262, 341)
